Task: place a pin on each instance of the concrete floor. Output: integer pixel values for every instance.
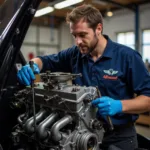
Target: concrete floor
(143, 130)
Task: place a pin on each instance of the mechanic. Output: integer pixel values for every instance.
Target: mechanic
(117, 70)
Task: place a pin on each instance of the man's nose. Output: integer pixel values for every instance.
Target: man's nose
(78, 40)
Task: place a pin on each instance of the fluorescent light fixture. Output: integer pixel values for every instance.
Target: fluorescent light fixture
(44, 11)
(66, 3)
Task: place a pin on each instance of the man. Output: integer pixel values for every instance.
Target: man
(117, 70)
(147, 64)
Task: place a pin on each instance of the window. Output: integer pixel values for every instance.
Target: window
(146, 45)
(126, 38)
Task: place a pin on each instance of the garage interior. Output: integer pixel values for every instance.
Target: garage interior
(126, 22)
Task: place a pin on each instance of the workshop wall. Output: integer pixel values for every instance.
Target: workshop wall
(121, 21)
(124, 20)
(40, 41)
(45, 40)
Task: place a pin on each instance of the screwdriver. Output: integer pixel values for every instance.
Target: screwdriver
(32, 87)
(107, 117)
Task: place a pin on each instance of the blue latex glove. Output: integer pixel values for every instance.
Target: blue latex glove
(26, 75)
(107, 106)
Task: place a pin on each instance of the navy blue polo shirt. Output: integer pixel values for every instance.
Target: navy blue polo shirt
(119, 72)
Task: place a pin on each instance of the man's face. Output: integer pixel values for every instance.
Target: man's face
(85, 37)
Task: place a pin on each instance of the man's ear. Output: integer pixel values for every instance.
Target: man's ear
(99, 28)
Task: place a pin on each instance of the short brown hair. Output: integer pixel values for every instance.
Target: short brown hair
(89, 13)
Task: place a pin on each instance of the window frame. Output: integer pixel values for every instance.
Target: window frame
(131, 46)
(144, 44)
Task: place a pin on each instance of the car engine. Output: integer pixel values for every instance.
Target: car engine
(58, 115)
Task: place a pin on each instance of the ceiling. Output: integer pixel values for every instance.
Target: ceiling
(57, 16)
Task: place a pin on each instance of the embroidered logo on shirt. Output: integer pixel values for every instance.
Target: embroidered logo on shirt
(109, 73)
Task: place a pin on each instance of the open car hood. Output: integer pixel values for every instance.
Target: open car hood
(11, 39)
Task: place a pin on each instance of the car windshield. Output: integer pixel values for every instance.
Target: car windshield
(7, 10)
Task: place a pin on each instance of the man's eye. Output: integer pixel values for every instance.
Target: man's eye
(79, 35)
(82, 35)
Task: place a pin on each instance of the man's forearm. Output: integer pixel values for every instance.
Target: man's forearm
(137, 105)
(39, 62)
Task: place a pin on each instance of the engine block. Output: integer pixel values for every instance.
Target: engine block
(59, 115)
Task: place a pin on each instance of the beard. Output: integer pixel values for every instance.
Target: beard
(87, 49)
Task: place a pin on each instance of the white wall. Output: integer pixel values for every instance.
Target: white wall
(40, 41)
(66, 39)
(125, 21)
(117, 23)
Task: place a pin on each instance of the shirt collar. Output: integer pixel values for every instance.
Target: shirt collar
(108, 51)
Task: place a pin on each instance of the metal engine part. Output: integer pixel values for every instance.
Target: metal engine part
(64, 120)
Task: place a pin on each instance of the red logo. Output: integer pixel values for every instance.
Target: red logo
(110, 77)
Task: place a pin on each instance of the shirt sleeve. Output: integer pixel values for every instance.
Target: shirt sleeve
(138, 77)
(60, 62)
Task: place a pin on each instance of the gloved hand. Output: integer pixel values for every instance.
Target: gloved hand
(107, 106)
(26, 75)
